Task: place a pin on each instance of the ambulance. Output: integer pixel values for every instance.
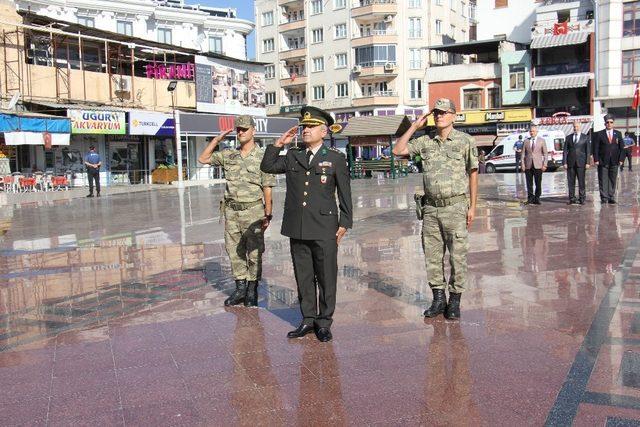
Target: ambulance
(503, 155)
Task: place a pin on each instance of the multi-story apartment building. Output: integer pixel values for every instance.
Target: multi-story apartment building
(353, 57)
(618, 61)
(206, 29)
(512, 19)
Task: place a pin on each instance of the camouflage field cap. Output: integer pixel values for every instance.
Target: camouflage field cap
(244, 122)
(444, 104)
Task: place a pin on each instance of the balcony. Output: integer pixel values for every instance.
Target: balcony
(377, 98)
(370, 70)
(574, 110)
(299, 52)
(374, 37)
(289, 2)
(374, 7)
(557, 69)
(474, 71)
(292, 25)
(299, 80)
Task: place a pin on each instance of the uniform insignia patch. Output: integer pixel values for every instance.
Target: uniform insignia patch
(323, 179)
(474, 150)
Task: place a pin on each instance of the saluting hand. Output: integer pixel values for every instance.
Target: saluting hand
(422, 120)
(340, 234)
(287, 137)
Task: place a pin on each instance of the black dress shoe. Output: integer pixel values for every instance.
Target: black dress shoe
(536, 201)
(572, 202)
(612, 202)
(89, 195)
(581, 202)
(300, 331)
(324, 334)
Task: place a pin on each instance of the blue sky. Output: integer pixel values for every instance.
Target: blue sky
(245, 11)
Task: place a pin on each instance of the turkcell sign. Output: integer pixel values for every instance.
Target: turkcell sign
(97, 122)
(150, 123)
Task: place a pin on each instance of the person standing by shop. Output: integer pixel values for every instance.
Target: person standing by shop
(517, 148)
(450, 182)
(312, 220)
(628, 150)
(608, 148)
(575, 159)
(246, 207)
(534, 163)
(93, 161)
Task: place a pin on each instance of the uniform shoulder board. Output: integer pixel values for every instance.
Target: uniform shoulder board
(296, 148)
(335, 150)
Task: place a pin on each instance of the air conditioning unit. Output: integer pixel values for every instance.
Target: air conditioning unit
(388, 18)
(357, 69)
(122, 83)
(389, 66)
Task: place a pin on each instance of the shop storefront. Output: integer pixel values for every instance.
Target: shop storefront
(157, 134)
(196, 130)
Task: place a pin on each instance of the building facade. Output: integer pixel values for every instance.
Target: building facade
(173, 22)
(353, 57)
(512, 19)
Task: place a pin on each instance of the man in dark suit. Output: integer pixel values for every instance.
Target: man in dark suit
(312, 221)
(575, 159)
(608, 148)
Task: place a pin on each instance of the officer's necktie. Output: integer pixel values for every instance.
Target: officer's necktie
(309, 154)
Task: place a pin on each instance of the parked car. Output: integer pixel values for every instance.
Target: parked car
(503, 156)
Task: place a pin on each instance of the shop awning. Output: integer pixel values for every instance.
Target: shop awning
(19, 122)
(377, 126)
(35, 138)
(574, 37)
(561, 82)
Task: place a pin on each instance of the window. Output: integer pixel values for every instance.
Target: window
(295, 42)
(339, 4)
(471, 99)
(452, 32)
(86, 21)
(341, 60)
(342, 90)
(493, 96)
(125, 27)
(415, 28)
(373, 89)
(415, 89)
(415, 4)
(318, 93)
(368, 56)
(631, 19)
(215, 44)
(268, 45)
(501, 3)
(516, 77)
(439, 2)
(415, 59)
(463, 9)
(267, 18)
(452, 4)
(318, 64)
(269, 71)
(316, 7)
(438, 26)
(630, 66)
(317, 35)
(341, 31)
(270, 98)
(164, 35)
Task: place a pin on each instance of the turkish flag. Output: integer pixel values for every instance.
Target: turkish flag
(560, 28)
(636, 96)
(293, 77)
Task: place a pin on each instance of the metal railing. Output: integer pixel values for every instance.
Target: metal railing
(288, 49)
(556, 69)
(375, 64)
(384, 93)
(374, 33)
(361, 3)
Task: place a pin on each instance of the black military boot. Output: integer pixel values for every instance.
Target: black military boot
(238, 296)
(438, 305)
(251, 300)
(453, 308)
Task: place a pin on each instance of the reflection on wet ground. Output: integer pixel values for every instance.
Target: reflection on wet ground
(111, 313)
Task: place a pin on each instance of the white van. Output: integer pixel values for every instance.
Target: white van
(503, 156)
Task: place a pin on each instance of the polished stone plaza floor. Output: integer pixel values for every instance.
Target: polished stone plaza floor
(111, 313)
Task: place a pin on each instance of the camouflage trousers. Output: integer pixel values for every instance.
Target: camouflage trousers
(445, 229)
(244, 241)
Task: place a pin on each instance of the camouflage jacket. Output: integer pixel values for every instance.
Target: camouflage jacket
(446, 164)
(245, 181)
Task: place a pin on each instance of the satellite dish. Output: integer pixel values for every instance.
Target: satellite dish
(13, 101)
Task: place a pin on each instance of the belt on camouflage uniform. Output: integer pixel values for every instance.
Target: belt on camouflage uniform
(240, 206)
(441, 203)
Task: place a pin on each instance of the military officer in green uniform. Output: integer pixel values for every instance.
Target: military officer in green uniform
(246, 207)
(312, 220)
(450, 180)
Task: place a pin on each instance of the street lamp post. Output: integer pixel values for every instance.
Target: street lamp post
(176, 124)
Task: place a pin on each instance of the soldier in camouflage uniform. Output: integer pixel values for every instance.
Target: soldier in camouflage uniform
(450, 180)
(246, 207)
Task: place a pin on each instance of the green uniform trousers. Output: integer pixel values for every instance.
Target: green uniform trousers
(445, 228)
(244, 241)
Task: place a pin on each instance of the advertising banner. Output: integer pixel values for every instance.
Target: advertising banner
(150, 123)
(97, 122)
